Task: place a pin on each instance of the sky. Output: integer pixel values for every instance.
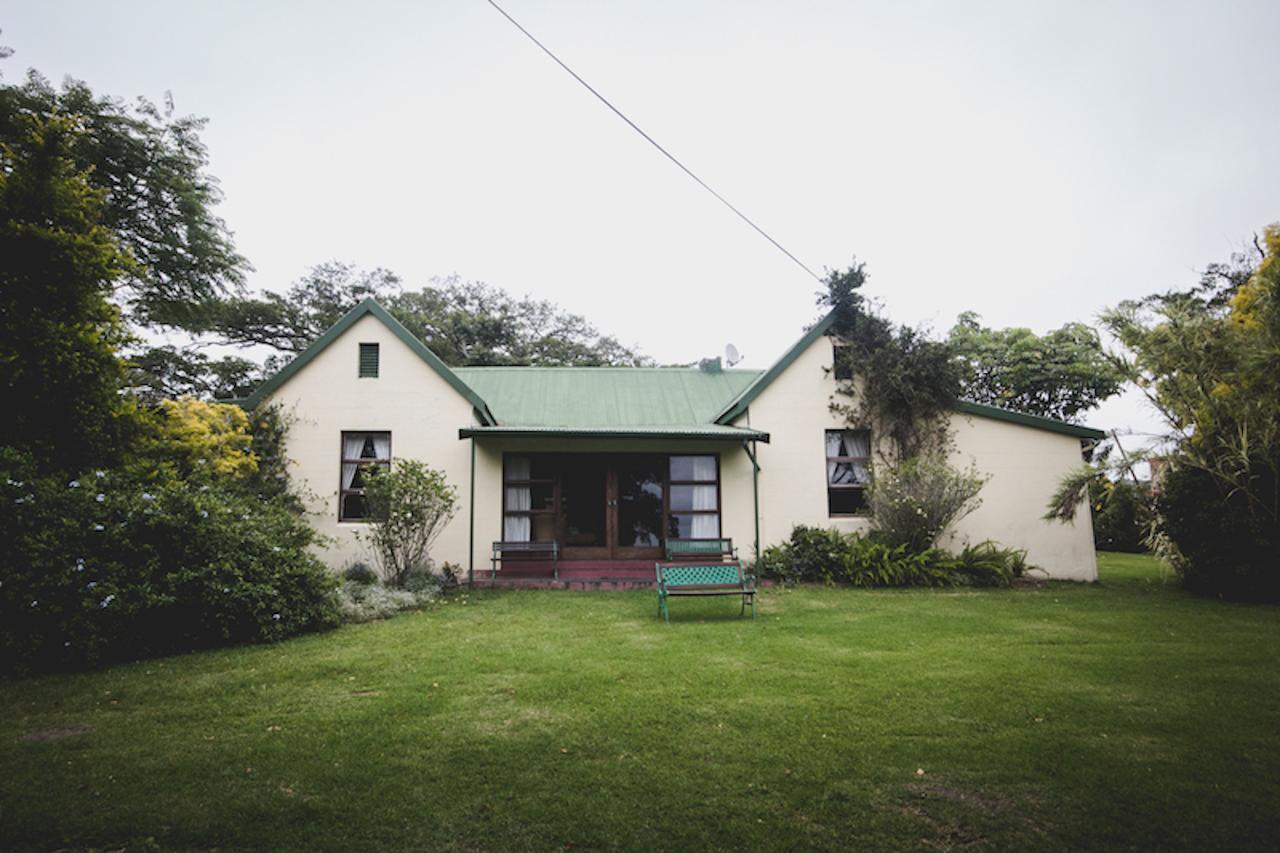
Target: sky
(1034, 162)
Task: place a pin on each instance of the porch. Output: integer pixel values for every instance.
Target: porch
(570, 574)
(602, 516)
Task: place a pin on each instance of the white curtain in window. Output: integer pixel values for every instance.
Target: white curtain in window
(706, 527)
(519, 499)
(833, 443)
(704, 468)
(848, 443)
(515, 528)
(351, 447)
(518, 468)
(704, 497)
(382, 445)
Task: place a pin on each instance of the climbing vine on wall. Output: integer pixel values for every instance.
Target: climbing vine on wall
(901, 384)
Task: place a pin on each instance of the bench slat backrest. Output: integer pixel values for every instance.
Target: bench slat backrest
(678, 548)
(702, 574)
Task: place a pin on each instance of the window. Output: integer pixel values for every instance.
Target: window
(529, 499)
(842, 362)
(695, 498)
(848, 470)
(368, 361)
(361, 451)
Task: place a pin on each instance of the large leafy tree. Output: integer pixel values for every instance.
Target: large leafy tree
(1056, 375)
(1208, 361)
(60, 376)
(156, 198)
(464, 322)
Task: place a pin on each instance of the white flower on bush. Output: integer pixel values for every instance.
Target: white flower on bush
(100, 474)
(147, 496)
(107, 601)
(99, 497)
(74, 484)
(99, 527)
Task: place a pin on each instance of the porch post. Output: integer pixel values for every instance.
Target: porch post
(755, 490)
(471, 533)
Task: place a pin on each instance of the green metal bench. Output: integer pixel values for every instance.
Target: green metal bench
(704, 579)
(700, 549)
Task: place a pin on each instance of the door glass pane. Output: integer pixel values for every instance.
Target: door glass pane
(583, 496)
(640, 501)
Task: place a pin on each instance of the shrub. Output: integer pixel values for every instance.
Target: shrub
(1221, 546)
(107, 566)
(360, 573)
(363, 602)
(914, 502)
(829, 556)
(986, 564)
(410, 506)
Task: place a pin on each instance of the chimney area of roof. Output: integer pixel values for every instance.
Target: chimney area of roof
(710, 365)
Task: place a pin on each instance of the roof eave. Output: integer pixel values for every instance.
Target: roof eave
(1022, 419)
(739, 405)
(737, 434)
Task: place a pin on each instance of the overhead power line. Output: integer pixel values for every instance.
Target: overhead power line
(654, 142)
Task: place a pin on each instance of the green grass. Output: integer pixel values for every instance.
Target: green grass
(1119, 714)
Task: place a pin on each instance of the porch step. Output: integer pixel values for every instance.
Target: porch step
(608, 584)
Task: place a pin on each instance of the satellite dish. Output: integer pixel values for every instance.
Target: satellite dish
(731, 355)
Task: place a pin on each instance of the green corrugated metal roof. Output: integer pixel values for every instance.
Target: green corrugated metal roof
(605, 397)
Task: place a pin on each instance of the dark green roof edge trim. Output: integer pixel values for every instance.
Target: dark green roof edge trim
(370, 306)
(740, 434)
(740, 403)
(998, 414)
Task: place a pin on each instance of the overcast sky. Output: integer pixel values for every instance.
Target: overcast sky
(1033, 162)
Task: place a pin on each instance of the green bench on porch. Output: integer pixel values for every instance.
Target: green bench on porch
(526, 549)
(704, 579)
(700, 549)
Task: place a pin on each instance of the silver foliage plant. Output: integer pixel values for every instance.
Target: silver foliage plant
(410, 505)
(914, 502)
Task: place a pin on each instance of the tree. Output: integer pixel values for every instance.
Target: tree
(60, 376)
(1057, 375)
(155, 196)
(1208, 361)
(409, 506)
(463, 322)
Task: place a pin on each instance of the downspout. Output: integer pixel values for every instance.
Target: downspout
(471, 534)
(755, 489)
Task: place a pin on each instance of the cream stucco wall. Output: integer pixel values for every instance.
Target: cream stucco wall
(1024, 465)
(409, 399)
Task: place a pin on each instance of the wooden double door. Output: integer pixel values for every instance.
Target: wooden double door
(612, 506)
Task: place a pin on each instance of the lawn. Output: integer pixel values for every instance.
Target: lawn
(1120, 714)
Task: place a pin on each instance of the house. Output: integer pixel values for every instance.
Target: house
(611, 462)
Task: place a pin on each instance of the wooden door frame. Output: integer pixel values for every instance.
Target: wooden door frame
(610, 550)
